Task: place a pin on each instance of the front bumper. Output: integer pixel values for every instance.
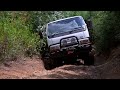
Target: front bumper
(71, 51)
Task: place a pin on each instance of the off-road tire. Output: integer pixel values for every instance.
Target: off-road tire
(88, 59)
(47, 64)
(47, 60)
(51, 63)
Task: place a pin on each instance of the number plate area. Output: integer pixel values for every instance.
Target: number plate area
(70, 50)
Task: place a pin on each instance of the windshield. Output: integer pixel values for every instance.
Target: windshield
(65, 25)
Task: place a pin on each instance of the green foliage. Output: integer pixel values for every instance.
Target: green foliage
(18, 30)
(106, 30)
(41, 18)
(15, 36)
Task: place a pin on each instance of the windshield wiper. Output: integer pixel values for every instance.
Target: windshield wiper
(78, 27)
(74, 29)
(52, 35)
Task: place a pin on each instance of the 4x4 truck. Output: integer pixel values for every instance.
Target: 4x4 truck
(66, 40)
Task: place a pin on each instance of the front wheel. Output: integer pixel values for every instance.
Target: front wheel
(47, 64)
(88, 59)
(47, 61)
(51, 63)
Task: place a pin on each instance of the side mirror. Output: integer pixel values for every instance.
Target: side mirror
(89, 24)
(44, 34)
(40, 34)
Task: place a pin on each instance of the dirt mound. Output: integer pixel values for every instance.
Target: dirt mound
(22, 68)
(32, 68)
(110, 69)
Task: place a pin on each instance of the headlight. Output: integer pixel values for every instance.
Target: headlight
(63, 42)
(54, 47)
(85, 41)
(68, 41)
(73, 40)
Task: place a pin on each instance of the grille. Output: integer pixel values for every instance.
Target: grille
(69, 42)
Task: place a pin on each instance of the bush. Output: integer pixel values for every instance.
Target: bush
(106, 31)
(15, 36)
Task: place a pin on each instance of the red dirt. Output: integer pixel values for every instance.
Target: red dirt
(32, 68)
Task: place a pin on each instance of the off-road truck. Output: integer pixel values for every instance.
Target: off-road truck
(66, 40)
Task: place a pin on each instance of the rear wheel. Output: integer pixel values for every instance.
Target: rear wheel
(71, 59)
(58, 62)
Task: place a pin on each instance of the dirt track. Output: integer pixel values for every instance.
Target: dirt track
(32, 68)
